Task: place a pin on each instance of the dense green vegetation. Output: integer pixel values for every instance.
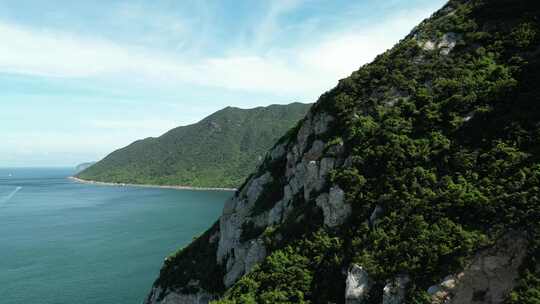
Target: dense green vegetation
(219, 151)
(202, 250)
(447, 145)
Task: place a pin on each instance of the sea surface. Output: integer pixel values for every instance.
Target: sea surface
(65, 242)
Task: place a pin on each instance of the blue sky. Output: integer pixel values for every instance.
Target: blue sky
(79, 79)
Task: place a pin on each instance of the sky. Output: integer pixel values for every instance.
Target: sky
(80, 79)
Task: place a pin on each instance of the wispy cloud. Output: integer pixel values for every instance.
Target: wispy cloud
(301, 70)
(269, 24)
(149, 26)
(75, 88)
(338, 54)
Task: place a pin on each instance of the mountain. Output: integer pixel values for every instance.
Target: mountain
(83, 166)
(219, 151)
(414, 180)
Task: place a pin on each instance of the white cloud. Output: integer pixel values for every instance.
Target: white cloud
(269, 25)
(302, 71)
(339, 54)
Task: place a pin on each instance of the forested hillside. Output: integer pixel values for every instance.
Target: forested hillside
(415, 180)
(219, 151)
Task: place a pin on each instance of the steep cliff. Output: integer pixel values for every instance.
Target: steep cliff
(415, 180)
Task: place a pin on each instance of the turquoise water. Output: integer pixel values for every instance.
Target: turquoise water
(64, 242)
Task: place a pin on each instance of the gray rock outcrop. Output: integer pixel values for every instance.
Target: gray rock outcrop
(157, 295)
(375, 215)
(356, 285)
(444, 45)
(489, 277)
(394, 291)
(305, 168)
(334, 208)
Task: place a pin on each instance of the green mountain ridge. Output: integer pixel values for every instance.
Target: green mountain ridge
(219, 151)
(414, 180)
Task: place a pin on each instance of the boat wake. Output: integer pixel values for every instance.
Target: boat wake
(11, 195)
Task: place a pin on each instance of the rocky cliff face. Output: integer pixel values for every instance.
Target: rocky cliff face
(294, 170)
(405, 183)
(295, 173)
(489, 277)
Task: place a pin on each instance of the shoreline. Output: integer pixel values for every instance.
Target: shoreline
(178, 187)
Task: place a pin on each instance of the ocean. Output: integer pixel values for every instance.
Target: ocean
(65, 242)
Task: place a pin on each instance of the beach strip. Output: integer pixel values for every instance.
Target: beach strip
(177, 187)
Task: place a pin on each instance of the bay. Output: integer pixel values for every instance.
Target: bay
(65, 242)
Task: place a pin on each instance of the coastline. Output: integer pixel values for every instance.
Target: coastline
(178, 187)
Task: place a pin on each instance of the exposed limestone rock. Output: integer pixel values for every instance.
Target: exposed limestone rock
(280, 211)
(356, 285)
(297, 179)
(419, 59)
(489, 278)
(321, 122)
(468, 117)
(244, 200)
(292, 161)
(230, 205)
(311, 179)
(449, 282)
(394, 291)
(171, 297)
(322, 202)
(287, 193)
(239, 257)
(429, 45)
(235, 212)
(235, 265)
(302, 137)
(255, 254)
(448, 42)
(246, 256)
(336, 150)
(278, 151)
(304, 171)
(439, 293)
(256, 186)
(314, 124)
(316, 151)
(327, 164)
(316, 175)
(274, 215)
(335, 210)
(230, 232)
(445, 45)
(375, 215)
